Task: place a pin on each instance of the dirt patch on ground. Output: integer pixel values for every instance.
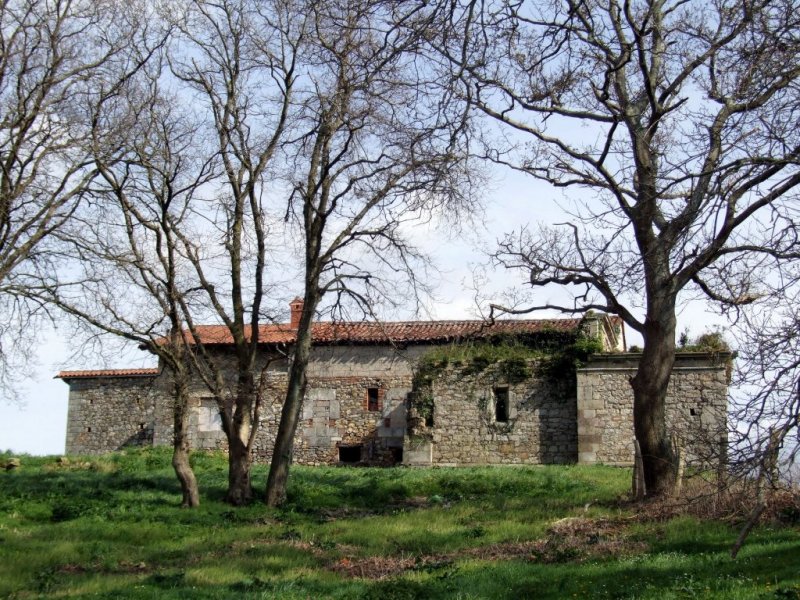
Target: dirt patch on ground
(415, 502)
(122, 567)
(504, 551)
(567, 540)
(705, 501)
(579, 539)
(373, 567)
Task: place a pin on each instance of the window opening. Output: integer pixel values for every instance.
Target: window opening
(397, 455)
(349, 454)
(501, 404)
(208, 417)
(372, 399)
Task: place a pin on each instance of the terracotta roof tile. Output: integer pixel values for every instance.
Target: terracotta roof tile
(107, 373)
(393, 332)
(401, 332)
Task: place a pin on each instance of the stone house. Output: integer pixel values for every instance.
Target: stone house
(422, 392)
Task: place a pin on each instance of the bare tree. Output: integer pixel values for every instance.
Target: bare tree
(233, 63)
(128, 277)
(237, 58)
(55, 56)
(678, 120)
(763, 445)
(377, 147)
(767, 401)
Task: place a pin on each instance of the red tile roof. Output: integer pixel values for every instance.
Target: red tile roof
(402, 332)
(108, 373)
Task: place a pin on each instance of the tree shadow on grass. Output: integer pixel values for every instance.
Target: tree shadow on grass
(73, 494)
(765, 571)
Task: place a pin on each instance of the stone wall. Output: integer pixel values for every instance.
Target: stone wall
(696, 406)
(364, 361)
(109, 413)
(548, 420)
(336, 412)
(539, 426)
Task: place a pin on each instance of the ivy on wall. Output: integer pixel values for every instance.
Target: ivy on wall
(551, 354)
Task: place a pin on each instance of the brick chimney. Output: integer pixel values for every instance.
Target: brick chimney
(296, 308)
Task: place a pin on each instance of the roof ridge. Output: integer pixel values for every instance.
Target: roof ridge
(393, 332)
(407, 322)
(435, 321)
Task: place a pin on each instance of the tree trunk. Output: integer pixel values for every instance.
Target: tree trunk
(290, 415)
(180, 445)
(240, 491)
(189, 489)
(239, 460)
(649, 399)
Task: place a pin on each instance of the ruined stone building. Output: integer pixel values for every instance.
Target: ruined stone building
(424, 392)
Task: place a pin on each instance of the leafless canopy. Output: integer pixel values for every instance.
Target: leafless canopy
(767, 398)
(674, 123)
(56, 60)
(678, 119)
(378, 146)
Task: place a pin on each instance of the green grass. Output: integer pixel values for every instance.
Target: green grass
(111, 527)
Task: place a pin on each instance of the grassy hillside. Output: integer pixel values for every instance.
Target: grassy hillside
(111, 527)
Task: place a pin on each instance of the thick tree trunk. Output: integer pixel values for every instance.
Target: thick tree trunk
(649, 404)
(180, 447)
(239, 459)
(240, 491)
(290, 415)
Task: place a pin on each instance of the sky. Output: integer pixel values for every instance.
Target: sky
(37, 425)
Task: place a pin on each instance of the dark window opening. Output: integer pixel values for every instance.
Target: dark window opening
(429, 419)
(349, 454)
(88, 430)
(501, 405)
(141, 425)
(397, 455)
(693, 412)
(372, 400)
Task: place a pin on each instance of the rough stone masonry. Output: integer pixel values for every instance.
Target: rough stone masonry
(360, 402)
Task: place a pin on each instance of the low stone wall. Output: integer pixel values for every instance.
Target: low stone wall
(696, 406)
